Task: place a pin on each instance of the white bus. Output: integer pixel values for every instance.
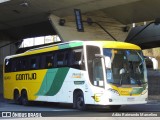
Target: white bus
(105, 73)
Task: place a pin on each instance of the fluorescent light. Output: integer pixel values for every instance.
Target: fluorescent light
(2, 1)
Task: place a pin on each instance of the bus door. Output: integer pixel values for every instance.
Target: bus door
(95, 68)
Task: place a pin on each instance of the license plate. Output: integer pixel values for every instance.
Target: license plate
(130, 99)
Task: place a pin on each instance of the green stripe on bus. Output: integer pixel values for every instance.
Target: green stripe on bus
(53, 81)
(47, 81)
(75, 44)
(137, 90)
(58, 81)
(70, 45)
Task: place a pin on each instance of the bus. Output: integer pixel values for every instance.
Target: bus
(100, 73)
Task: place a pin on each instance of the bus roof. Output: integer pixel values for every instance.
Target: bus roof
(71, 44)
(117, 45)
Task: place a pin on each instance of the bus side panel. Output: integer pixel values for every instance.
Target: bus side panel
(76, 80)
(8, 87)
(28, 80)
(70, 80)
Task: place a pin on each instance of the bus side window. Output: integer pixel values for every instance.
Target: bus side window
(49, 61)
(23, 64)
(8, 65)
(76, 58)
(34, 63)
(13, 67)
(67, 57)
(60, 59)
(17, 65)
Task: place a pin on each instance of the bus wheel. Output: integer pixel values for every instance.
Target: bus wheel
(17, 97)
(114, 107)
(79, 101)
(24, 98)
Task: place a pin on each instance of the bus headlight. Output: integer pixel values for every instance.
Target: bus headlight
(144, 92)
(113, 91)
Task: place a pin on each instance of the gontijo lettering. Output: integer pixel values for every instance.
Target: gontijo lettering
(26, 76)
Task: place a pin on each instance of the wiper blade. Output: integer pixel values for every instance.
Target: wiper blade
(113, 83)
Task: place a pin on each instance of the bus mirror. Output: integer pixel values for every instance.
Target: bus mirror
(108, 62)
(99, 56)
(79, 62)
(122, 71)
(106, 58)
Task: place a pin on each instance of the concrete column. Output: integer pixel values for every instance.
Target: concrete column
(5, 51)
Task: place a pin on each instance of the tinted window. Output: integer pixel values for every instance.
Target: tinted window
(34, 63)
(76, 59)
(23, 64)
(91, 51)
(8, 65)
(77, 56)
(49, 61)
(60, 59)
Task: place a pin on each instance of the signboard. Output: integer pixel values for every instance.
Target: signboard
(79, 22)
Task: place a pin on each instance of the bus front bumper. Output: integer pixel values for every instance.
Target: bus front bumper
(122, 100)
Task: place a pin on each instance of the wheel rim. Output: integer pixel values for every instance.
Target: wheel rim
(80, 101)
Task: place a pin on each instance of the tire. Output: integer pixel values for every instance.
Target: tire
(17, 97)
(24, 98)
(79, 101)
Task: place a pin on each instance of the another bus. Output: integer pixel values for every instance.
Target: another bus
(105, 73)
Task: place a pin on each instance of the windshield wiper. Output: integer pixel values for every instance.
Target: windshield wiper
(139, 82)
(113, 83)
(140, 56)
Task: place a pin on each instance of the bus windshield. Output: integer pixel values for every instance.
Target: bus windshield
(127, 67)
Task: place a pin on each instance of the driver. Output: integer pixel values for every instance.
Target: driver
(124, 72)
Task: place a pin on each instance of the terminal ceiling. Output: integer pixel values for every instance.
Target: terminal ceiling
(18, 14)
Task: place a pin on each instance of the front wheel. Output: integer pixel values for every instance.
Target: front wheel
(79, 101)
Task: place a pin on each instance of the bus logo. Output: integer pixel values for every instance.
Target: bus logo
(26, 76)
(7, 77)
(77, 75)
